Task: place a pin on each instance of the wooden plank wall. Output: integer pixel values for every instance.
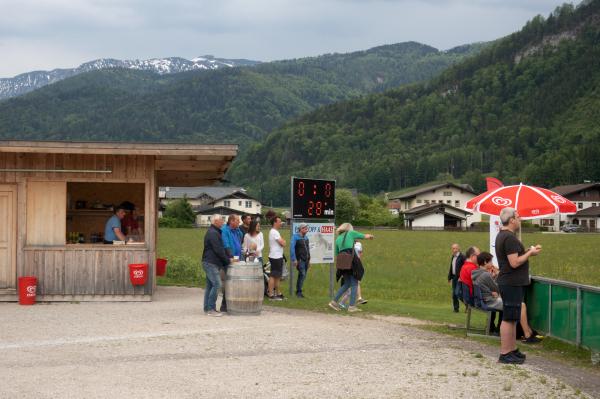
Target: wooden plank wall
(92, 271)
(124, 168)
(47, 213)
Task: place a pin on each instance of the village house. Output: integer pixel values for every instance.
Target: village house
(208, 201)
(436, 206)
(238, 203)
(587, 198)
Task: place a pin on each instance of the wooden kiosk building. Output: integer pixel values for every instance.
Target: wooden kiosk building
(53, 194)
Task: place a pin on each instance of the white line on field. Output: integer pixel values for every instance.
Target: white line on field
(91, 340)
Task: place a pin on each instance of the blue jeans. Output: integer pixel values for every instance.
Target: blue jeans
(213, 285)
(349, 282)
(302, 269)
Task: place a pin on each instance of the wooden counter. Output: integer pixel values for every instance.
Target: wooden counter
(87, 270)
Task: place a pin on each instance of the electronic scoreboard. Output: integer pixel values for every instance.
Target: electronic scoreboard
(313, 198)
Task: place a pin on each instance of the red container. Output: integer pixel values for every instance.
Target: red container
(138, 273)
(161, 267)
(27, 290)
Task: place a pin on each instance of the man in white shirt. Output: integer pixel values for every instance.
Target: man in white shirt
(276, 244)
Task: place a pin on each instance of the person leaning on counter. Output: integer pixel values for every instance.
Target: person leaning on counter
(112, 230)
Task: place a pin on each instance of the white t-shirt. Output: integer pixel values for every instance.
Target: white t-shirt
(258, 240)
(358, 247)
(275, 249)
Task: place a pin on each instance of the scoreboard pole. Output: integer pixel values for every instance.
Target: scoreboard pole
(318, 211)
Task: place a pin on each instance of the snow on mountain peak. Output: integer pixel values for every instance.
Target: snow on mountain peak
(26, 82)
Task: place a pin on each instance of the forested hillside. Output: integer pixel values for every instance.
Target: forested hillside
(524, 109)
(238, 105)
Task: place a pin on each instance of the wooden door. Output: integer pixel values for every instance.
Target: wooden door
(8, 237)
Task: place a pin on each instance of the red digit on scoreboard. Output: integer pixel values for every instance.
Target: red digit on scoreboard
(327, 190)
(311, 205)
(319, 208)
(301, 189)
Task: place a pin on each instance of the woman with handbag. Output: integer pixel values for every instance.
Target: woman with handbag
(348, 264)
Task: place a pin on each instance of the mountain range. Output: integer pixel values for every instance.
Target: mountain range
(525, 109)
(233, 105)
(29, 81)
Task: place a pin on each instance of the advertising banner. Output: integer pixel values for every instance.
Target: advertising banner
(321, 237)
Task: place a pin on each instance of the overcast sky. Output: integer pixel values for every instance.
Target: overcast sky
(47, 34)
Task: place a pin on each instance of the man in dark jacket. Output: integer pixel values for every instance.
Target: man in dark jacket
(456, 262)
(300, 256)
(214, 258)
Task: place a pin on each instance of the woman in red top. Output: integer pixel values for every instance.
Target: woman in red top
(468, 267)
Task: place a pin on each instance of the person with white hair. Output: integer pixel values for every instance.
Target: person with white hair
(214, 259)
(344, 243)
(513, 260)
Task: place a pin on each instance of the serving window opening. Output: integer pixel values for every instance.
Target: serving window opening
(91, 205)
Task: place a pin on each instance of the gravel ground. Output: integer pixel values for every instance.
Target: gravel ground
(169, 348)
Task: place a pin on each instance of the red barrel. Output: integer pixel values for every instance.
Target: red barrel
(138, 273)
(27, 290)
(161, 267)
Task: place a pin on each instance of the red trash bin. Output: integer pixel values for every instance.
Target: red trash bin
(27, 290)
(161, 266)
(138, 273)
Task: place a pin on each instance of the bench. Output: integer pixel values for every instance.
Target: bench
(475, 302)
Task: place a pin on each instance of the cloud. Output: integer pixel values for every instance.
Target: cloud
(36, 34)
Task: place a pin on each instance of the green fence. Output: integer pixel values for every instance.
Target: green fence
(565, 310)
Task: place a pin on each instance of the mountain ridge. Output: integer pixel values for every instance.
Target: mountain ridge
(29, 81)
(238, 105)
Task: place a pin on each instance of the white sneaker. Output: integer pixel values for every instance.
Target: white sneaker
(352, 309)
(214, 313)
(334, 305)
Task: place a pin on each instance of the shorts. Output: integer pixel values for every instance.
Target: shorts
(276, 267)
(512, 297)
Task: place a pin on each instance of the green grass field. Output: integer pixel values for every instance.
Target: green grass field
(406, 271)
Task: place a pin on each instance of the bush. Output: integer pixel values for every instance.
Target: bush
(172, 222)
(181, 211)
(346, 206)
(185, 270)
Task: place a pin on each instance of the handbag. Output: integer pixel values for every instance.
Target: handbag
(344, 259)
(358, 270)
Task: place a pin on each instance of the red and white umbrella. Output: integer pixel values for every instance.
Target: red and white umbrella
(530, 202)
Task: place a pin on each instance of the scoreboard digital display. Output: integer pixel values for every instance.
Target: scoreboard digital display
(313, 198)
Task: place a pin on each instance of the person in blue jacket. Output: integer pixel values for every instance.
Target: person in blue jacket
(300, 256)
(232, 238)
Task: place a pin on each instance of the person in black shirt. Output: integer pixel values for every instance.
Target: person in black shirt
(513, 261)
(456, 262)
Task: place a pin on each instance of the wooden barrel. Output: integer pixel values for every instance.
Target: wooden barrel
(244, 288)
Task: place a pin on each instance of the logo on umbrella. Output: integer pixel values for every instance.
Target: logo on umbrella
(558, 199)
(500, 201)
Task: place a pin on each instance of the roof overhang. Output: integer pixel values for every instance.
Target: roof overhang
(178, 165)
